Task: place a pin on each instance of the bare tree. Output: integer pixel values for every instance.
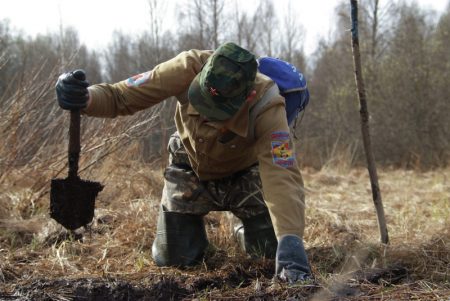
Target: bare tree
(217, 9)
(157, 10)
(245, 32)
(202, 23)
(292, 34)
(439, 106)
(268, 24)
(378, 21)
(192, 25)
(119, 61)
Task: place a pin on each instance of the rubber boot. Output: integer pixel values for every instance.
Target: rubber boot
(180, 239)
(256, 236)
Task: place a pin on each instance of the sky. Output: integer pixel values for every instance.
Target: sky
(96, 20)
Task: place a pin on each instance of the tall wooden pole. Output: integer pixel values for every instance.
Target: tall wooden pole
(364, 114)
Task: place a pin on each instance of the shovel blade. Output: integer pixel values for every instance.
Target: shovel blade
(72, 201)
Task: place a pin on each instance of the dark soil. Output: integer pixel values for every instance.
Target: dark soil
(99, 290)
(72, 201)
(241, 282)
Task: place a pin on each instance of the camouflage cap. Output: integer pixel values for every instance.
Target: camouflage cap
(224, 83)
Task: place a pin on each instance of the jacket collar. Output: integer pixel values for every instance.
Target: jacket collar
(238, 124)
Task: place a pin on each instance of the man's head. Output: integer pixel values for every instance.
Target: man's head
(225, 82)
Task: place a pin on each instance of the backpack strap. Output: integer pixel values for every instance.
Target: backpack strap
(257, 108)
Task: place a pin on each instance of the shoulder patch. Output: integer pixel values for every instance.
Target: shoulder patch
(280, 136)
(139, 79)
(282, 153)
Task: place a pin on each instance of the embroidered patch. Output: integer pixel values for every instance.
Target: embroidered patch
(280, 136)
(139, 79)
(282, 153)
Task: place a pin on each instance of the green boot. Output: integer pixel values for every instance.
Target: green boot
(256, 236)
(180, 239)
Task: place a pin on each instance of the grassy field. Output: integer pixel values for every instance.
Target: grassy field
(111, 259)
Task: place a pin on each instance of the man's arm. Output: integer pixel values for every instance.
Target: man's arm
(144, 90)
(283, 192)
(281, 178)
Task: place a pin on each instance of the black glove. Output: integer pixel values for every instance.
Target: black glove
(71, 90)
(291, 260)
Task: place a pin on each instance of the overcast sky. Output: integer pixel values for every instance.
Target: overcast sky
(95, 20)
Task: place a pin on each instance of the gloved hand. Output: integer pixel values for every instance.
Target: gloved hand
(71, 90)
(291, 261)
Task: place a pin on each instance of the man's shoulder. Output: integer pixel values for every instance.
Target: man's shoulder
(266, 92)
(262, 82)
(196, 55)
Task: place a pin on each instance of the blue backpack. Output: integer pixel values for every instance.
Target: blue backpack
(291, 84)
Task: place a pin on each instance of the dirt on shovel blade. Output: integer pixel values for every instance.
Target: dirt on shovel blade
(72, 201)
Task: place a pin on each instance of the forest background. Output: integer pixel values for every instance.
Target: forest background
(404, 51)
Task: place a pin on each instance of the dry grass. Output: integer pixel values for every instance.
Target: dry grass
(417, 205)
(342, 238)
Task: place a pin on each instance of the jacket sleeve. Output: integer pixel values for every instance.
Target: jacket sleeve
(142, 91)
(280, 175)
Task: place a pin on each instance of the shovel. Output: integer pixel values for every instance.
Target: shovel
(72, 200)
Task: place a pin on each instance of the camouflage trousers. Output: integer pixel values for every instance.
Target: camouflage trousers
(183, 192)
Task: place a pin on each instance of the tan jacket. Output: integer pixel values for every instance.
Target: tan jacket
(218, 149)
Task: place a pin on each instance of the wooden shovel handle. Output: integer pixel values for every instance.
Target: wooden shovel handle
(74, 143)
(74, 132)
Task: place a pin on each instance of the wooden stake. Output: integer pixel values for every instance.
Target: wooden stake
(364, 114)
